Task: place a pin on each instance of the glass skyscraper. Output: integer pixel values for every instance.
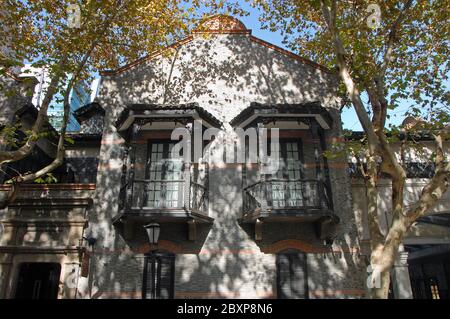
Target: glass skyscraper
(81, 94)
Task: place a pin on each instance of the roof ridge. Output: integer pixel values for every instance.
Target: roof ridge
(189, 38)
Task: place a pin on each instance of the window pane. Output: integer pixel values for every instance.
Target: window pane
(291, 275)
(158, 282)
(163, 168)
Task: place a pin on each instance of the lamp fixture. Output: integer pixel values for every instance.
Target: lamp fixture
(153, 230)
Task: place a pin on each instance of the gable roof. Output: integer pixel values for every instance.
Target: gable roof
(145, 109)
(222, 24)
(309, 109)
(87, 111)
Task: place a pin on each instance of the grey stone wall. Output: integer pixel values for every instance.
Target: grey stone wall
(10, 101)
(92, 125)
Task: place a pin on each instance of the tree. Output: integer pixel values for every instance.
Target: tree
(76, 38)
(384, 53)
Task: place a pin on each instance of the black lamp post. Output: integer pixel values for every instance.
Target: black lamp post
(152, 230)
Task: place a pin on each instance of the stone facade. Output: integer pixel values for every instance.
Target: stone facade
(223, 72)
(44, 225)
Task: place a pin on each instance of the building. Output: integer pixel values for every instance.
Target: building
(226, 226)
(422, 269)
(78, 96)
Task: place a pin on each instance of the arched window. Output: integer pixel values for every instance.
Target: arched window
(158, 279)
(292, 279)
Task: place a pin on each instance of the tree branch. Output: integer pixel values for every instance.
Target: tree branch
(350, 85)
(24, 150)
(61, 149)
(391, 38)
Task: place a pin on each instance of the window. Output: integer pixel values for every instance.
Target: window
(292, 280)
(164, 175)
(158, 280)
(285, 185)
(38, 281)
(434, 288)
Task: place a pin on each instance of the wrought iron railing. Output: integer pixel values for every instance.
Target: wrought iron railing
(285, 194)
(152, 194)
(199, 197)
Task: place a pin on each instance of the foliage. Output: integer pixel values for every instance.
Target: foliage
(73, 40)
(418, 69)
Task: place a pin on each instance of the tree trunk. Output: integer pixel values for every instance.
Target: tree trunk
(382, 291)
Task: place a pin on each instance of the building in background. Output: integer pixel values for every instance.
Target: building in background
(422, 268)
(80, 95)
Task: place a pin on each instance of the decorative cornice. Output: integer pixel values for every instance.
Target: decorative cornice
(51, 202)
(221, 23)
(307, 108)
(50, 187)
(44, 221)
(176, 109)
(86, 111)
(41, 250)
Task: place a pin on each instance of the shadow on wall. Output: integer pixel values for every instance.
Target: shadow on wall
(223, 74)
(217, 71)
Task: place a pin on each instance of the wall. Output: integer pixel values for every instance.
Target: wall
(223, 73)
(45, 224)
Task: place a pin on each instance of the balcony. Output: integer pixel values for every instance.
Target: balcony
(169, 200)
(298, 190)
(291, 201)
(286, 200)
(156, 187)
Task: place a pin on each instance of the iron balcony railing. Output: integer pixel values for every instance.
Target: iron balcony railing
(153, 194)
(278, 194)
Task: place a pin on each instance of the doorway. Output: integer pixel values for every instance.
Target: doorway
(38, 281)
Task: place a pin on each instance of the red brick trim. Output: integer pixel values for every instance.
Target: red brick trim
(271, 249)
(290, 54)
(147, 57)
(304, 247)
(163, 245)
(31, 187)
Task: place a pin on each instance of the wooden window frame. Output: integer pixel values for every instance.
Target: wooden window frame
(150, 261)
(181, 184)
(304, 266)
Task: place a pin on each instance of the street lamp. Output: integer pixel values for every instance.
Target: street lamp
(152, 230)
